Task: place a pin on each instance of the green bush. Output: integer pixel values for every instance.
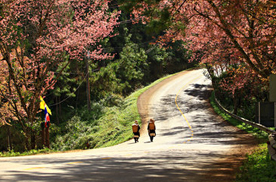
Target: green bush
(112, 127)
(31, 152)
(258, 167)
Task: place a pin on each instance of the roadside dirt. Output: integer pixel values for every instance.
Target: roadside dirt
(230, 165)
(226, 168)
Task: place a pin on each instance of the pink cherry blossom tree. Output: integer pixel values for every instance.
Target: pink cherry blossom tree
(240, 33)
(37, 36)
(224, 32)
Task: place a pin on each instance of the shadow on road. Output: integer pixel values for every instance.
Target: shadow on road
(149, 168)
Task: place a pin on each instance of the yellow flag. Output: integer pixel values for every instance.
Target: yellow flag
(43, 105)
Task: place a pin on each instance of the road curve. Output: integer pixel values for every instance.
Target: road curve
(192, 144)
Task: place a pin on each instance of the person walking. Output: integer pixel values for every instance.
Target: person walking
(136, 131)
(151, 129)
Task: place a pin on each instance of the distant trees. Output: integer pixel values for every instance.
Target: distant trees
(37, 37)
(131, 66)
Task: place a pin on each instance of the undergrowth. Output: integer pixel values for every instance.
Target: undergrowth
(258, 167)
(31, 152)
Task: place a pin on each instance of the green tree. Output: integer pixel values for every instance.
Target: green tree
(131, 66)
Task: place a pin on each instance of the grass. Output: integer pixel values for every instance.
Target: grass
(31, 152)
(258, 166)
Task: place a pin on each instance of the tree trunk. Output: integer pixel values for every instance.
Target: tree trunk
(47, 137)
(9, 139)
(27, 143)
(43, 136)
(57, 114)
(236, 104)
(87, 86)
(59, 107)
(33, 144)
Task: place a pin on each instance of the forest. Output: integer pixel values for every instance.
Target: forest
(86, 57)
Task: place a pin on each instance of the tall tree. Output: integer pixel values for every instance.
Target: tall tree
(131, 65)
(38, 36)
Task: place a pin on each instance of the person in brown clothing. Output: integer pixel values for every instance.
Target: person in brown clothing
(136, 131)
(151, 129)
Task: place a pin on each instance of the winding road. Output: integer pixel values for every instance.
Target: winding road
(192, 144)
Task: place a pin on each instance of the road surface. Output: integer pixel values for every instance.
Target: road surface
(192, 144)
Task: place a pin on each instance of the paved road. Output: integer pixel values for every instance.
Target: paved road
(190, 140)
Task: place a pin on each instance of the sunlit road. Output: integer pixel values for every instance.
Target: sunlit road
(190, 139)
